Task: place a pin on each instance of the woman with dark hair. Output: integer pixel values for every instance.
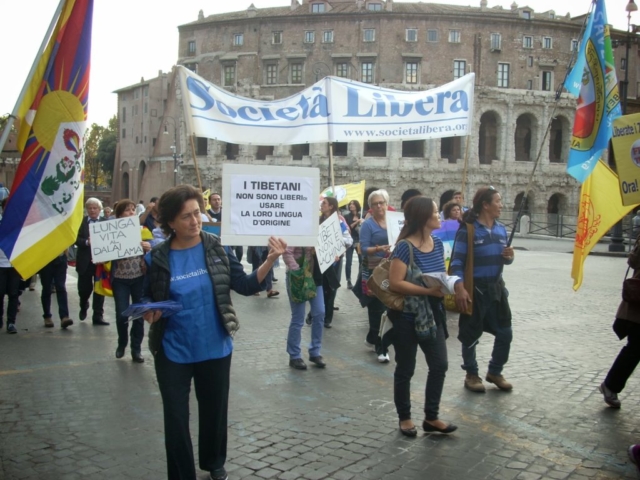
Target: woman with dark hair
(491, 312)
(452, 211)
(127, 281)
(192, 268)
(423, 322)
(375, 246)
(354, 220)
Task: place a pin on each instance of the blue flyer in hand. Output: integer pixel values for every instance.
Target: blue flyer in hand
(168, 308)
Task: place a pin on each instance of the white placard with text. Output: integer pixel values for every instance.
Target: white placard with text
(115, 239)
(395, 222)
(330, 244)
(264, 201)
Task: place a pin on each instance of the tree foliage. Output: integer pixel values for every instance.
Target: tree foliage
(99, 154)
(106, 154)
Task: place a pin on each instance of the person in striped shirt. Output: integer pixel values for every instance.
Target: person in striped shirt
(491, 312)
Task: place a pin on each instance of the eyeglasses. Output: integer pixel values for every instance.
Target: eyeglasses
(378, 204)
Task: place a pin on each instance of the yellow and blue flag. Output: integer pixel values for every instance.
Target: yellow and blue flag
(45, 207)
(600, 209)
(594, 76)
(347, 192)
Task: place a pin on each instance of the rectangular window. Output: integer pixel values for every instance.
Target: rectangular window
(413, 149)
(530, 61)
(231, 151)
(146, 90)
(201, 145)
(153, 142)
(145, 139)
(229, 75)
(432, 35)
(272, 74)
(454, 36)
(296, 72)
(366, 72)
(375, 149)
(192, 47)
(411, 72)
(527, 42)
(124, 133)
(299, 151)
(340, 149)
(263, 151)
(309, 36)
(547, 81)
(496, 41)
(411, 35)
(276, 38)
(136, 139)
(547, 43)
(342, 70)
(369, 35)
(459, 68)
(317, 8)
(374, 7)
(327, 36)
(238, 39)
(136, 93)
(146, 107)
(623, 64)
(503, 75)
(526, 15)
(574, 45)
(529, 84)
(124, 114)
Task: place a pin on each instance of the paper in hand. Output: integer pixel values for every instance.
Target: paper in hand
(168, 308)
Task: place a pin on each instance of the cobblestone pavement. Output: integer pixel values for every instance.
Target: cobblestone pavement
(70, 410)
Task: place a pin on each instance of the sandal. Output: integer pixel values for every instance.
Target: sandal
(273, 293)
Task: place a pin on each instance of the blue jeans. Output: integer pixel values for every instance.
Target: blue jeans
(123, 290)
(55, 272)
(501, 345)
(297, 322)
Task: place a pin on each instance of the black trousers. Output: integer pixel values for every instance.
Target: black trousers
(375, 309)
(211, 379)
(627, 360)
(85, 288)
(405, 344)
(10, 286)
(54, 272)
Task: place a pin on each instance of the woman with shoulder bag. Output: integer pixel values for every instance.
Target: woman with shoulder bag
(491, 312)
(354, 220)
(626, 324)
(375, 246)
(423, 322)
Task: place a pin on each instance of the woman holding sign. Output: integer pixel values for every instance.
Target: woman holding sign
(423, 322)
(192, 268)
(375, 246)
(127, 279)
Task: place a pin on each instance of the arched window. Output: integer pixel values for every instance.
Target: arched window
(488, 138)
(525, 138)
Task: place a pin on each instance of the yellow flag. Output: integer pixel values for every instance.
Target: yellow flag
(346, 193)
(600, 209)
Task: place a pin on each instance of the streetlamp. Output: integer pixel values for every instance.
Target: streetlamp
(616, 244)
(174, 147)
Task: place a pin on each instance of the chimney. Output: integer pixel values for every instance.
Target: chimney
(389, 6)
(514, 6)
(251, 11)
(200, 15)
(294, 4)
(483, 4)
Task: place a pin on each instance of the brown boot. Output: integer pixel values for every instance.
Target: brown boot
(499, 381)
(474, 383)
(66, 322)
(48, 322)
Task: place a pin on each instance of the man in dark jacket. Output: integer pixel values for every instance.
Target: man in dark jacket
(86, 268)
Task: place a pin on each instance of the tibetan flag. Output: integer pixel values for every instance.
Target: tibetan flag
(346, 193)
(447, 233)
(45, 208)
(600, 209)
(599, 99)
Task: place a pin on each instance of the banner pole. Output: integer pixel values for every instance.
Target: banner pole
(333, 182)
(195, 161)
(466, 165)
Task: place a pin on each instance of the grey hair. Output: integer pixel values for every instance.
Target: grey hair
(378, 193)
(93, 201)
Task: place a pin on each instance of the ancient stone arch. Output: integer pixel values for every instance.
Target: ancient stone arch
(525, 138)
(559, 136)
(489, 137)
(141, 169)
(124, 184)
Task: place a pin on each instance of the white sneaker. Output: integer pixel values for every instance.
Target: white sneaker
(383, 358)
(370, 346)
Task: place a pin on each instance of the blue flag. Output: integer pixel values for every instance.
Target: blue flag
(598, 100)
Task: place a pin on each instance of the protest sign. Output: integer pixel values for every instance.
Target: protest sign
(114, 239)
(265, 201)
(395, 221)
(626, 147)
(330, 244)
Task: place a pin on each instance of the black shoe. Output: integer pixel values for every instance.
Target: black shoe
(137, 357)
(349, 285)
(219, 474)
(336, 308)
(11, 328)
(408, 432)
(1, 323)
(317, 361)
(274, 280)
(427, 427)
(610, 398)
(119, 352)
(83, 314)
(308, 320)
(327, 325)
(99, 321)
(298, 364)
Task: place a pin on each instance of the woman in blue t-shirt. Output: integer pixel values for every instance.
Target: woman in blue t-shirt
(192, 267)
(421, 218)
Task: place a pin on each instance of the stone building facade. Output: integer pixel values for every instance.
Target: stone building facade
(519, 57)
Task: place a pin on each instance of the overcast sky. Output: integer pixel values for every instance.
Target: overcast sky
(137, 38)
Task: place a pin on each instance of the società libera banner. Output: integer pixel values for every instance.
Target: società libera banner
(331, 110)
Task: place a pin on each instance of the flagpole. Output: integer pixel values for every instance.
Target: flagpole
(43, 46)
(466, 165)
(333, 183)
